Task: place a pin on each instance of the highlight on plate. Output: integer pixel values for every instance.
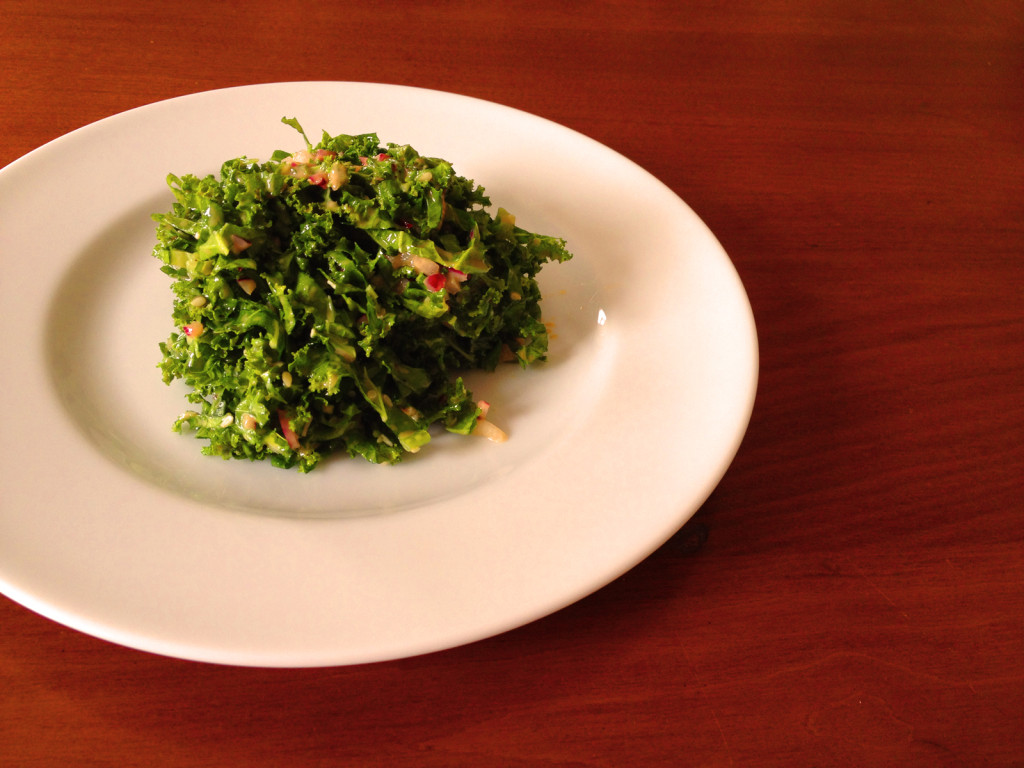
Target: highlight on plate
(327, 300)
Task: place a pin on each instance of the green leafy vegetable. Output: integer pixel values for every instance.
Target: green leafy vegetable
(326, 300)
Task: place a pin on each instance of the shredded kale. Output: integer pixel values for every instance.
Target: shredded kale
(326, 301)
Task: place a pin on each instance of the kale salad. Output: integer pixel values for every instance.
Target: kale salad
(327, 300)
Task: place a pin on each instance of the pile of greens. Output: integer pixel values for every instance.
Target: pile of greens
(325, 301)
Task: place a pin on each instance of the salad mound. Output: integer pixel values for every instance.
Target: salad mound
(325, 301)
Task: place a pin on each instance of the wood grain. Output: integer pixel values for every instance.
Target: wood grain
(852, 594)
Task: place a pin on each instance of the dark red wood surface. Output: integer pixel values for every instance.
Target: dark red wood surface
(852, 594)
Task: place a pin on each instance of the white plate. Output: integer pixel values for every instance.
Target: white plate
(113, 525)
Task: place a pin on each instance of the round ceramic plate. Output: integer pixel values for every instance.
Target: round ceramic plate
(112, 524)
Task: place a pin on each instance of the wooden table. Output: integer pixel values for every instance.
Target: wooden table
(852, 594)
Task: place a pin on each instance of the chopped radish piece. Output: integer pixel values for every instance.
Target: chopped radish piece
(193, 330)
(239, 244)
(421, 264)
(247, 284)
(320, 154)
(456, 277)
(435, 282)
(484, 407)
(286, 429)
(320, 179)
